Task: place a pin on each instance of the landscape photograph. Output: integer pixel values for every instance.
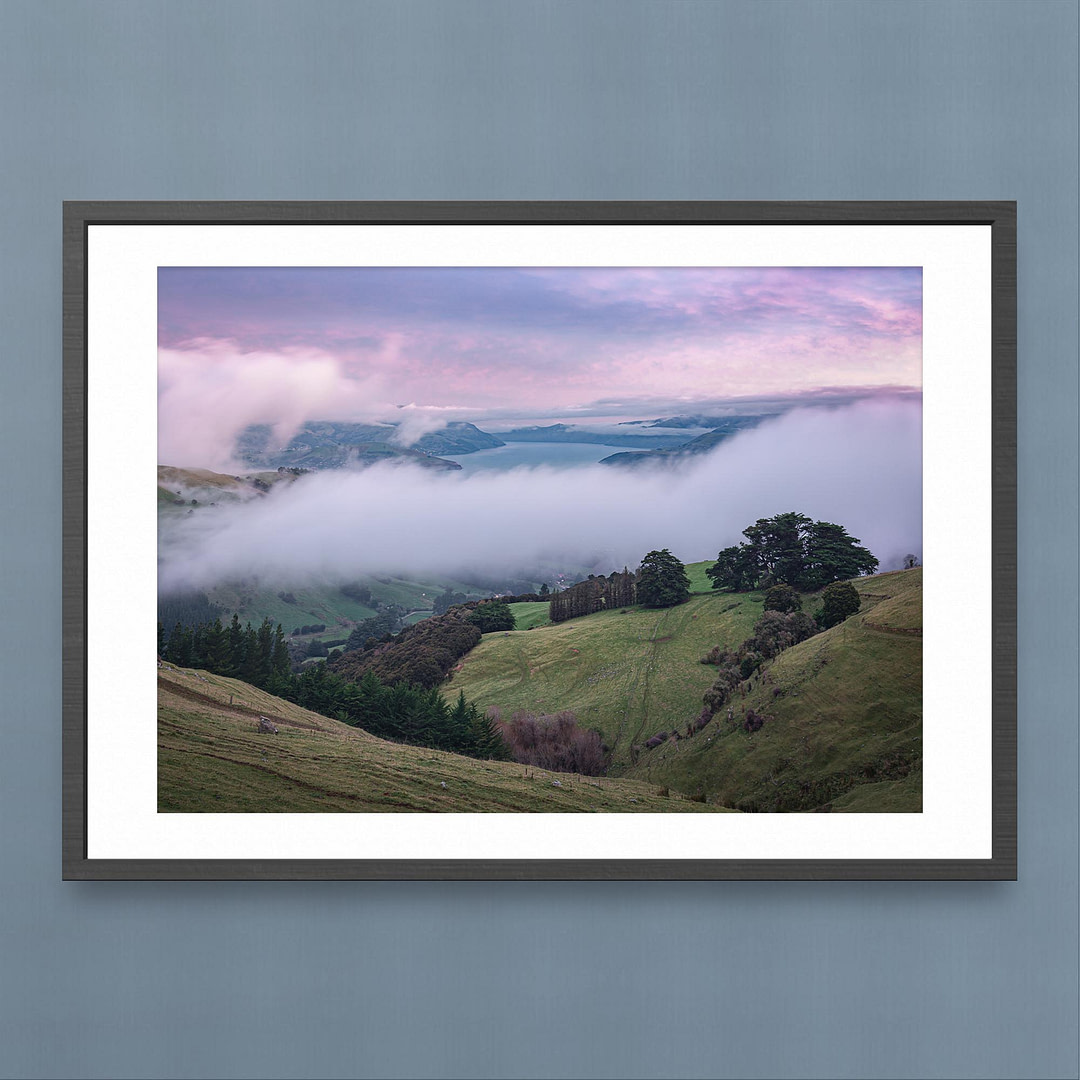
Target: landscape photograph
(539, 539)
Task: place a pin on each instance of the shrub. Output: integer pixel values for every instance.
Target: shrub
(749, 664)
(753, 722)
(556, 742)
(422, 654)
(782, 598)
(839, 601)
(703, 718)
(774, 632)
(716, 696)
(491, 616)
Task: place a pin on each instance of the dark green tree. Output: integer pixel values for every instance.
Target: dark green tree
(662, 580)
(280, 660)
(179, 648)
(777, 544)
(492, 616)
(488, 742)
(249, 665)
(839, 601)
(264, 639)
(790, 549)
(735, 569)
(217, 647)
(782, 598)
(833, 555)
(459, 724)
(236, 647)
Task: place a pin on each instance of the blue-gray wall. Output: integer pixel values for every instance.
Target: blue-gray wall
(591, 100)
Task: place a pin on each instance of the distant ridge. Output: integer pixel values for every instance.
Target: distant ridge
(326, 444)
(702, 444)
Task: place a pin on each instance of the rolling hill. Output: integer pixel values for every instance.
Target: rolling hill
(212, 758)
(701, 444)
(325, 444)
(625, 674)
(842, 727)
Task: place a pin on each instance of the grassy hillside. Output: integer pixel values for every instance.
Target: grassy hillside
(326, 603)
(212, 759)
(843, 710)
(843, 719)
(530, 614)
(627, 675)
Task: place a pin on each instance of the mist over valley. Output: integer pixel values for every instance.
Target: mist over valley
(859, 464)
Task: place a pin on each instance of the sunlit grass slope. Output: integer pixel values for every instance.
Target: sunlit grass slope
(529, 614)
(625, 674)
(211, 758)
(843, 719)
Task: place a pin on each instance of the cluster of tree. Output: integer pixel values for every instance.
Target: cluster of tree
(188, 609)
(782, 624)
(790, 549)
(491, 616)
(423, 653)
(556, 742)
(287, 597)
(313, 628)
(404, 712)
(773, 632)
(369, 632)
(361, 594)
(838, 601)
(526, 597)
(594, 594)
(258, 655)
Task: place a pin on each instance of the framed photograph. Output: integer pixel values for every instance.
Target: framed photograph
(539, 540)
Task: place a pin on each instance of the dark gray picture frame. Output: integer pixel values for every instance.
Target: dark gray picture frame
(1000, 216)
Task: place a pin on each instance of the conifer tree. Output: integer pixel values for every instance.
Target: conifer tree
(249, 665)
(218, 653)
(280, 662)
(179, 647)
(236, 647)
(488, 742)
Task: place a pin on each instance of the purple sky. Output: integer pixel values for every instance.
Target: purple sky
(540, 341)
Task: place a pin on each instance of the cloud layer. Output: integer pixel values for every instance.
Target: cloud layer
(858, 465)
